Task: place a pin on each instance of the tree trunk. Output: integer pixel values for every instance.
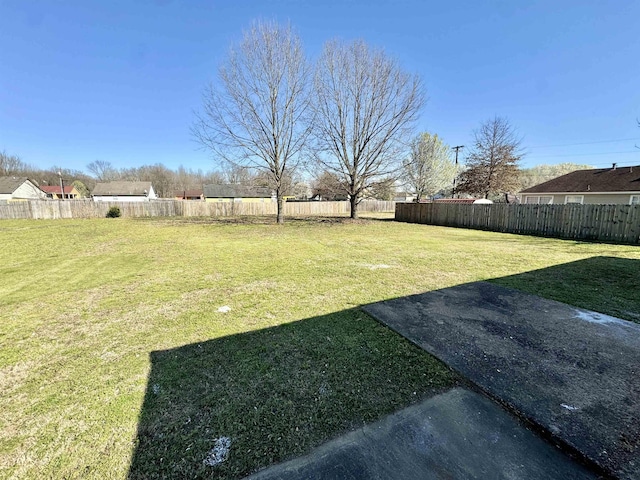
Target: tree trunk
(354, 206)
(280, 201)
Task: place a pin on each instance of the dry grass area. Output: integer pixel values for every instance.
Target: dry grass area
(115, 360)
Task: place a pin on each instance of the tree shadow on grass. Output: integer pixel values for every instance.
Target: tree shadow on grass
(278, 392)
(603, 284)
(275, 393)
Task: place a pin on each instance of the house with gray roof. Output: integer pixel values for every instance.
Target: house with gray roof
(19, 188)
(123, 192)
(238, 193)
(615, 185)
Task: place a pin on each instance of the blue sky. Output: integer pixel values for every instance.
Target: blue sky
(119, 80)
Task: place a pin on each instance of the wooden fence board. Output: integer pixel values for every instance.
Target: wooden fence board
(48, 209)
(611, 223)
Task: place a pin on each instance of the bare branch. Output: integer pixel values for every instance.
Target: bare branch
(103, 171)
(364, 106)
(493, 162)
(257, 113)
(11, 164)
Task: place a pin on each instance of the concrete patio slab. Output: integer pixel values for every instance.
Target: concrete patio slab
(456, 435)
(572, 372)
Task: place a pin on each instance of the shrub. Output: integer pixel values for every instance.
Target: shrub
(114, 212)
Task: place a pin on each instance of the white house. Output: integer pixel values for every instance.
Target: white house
(123, 192)
(404, 197)
(19, 188)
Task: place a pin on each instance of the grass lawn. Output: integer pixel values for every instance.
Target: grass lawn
(115, 361)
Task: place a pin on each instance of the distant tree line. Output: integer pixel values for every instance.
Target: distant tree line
(428, 170)
(165, 181)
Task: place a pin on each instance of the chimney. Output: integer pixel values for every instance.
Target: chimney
(613, 167)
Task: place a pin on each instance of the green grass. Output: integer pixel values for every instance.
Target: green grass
(115, 362)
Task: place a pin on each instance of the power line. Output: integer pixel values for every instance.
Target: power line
(584, 154)
(632, 163)
(586, 143)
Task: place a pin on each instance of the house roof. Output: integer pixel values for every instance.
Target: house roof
(11, 184)
(598, 180)
(188, 193)
(56, 188)
(122, 188)
(454, 200)
(236, 191)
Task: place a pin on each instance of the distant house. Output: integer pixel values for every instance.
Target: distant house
(54, 192)
(123, 192)
(189, 195)
(455, 200)
(19, 188)
(404, 197)
(616, 185)
(237, 193)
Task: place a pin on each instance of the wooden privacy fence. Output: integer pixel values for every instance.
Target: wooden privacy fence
(51, 209)
(610, 223)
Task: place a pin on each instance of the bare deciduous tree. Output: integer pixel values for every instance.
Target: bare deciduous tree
(188, 179)
(301, 190)
(102, 170)
(492, 165)
(428, 168)
(385, 189)
(162, 179)
(239, 174)
(364, 106)
(328, 186)
(11, 164)
(255, 114)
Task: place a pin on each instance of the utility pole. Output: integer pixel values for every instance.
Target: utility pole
(61, 186)
(457, 149)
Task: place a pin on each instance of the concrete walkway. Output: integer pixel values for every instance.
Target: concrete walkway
(457, 435)
(572, 372)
